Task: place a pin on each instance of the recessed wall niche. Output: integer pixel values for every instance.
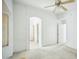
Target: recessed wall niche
(5, 31)
(5, 24)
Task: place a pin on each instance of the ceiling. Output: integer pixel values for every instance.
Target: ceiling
(39, 3)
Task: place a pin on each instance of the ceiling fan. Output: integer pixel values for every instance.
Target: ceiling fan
(59, 3)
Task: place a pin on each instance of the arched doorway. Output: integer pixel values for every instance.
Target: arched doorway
(35, 32)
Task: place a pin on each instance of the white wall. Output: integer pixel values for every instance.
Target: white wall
(22, 16)
(8, 51)
(20, 28)
(72, 26)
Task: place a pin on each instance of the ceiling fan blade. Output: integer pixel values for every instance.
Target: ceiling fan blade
(49, 6)
(64, 8)
(69, 1)
(57, 0)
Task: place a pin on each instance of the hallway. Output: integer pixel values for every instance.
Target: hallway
(33, 45)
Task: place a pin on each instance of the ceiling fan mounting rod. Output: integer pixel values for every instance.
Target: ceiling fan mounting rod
(58, 3)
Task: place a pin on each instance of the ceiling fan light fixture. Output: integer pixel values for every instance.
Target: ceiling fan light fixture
(59, 13)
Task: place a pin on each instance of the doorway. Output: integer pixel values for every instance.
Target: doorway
(35, 33)
(61, 33)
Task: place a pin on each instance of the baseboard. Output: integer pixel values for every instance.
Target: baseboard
(46, 45)
(19, 51)
(71, 49)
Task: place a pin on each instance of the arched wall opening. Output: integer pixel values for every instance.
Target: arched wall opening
(35, 32)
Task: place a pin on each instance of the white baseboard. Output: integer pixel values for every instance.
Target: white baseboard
(71, 49)
(19, 52)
